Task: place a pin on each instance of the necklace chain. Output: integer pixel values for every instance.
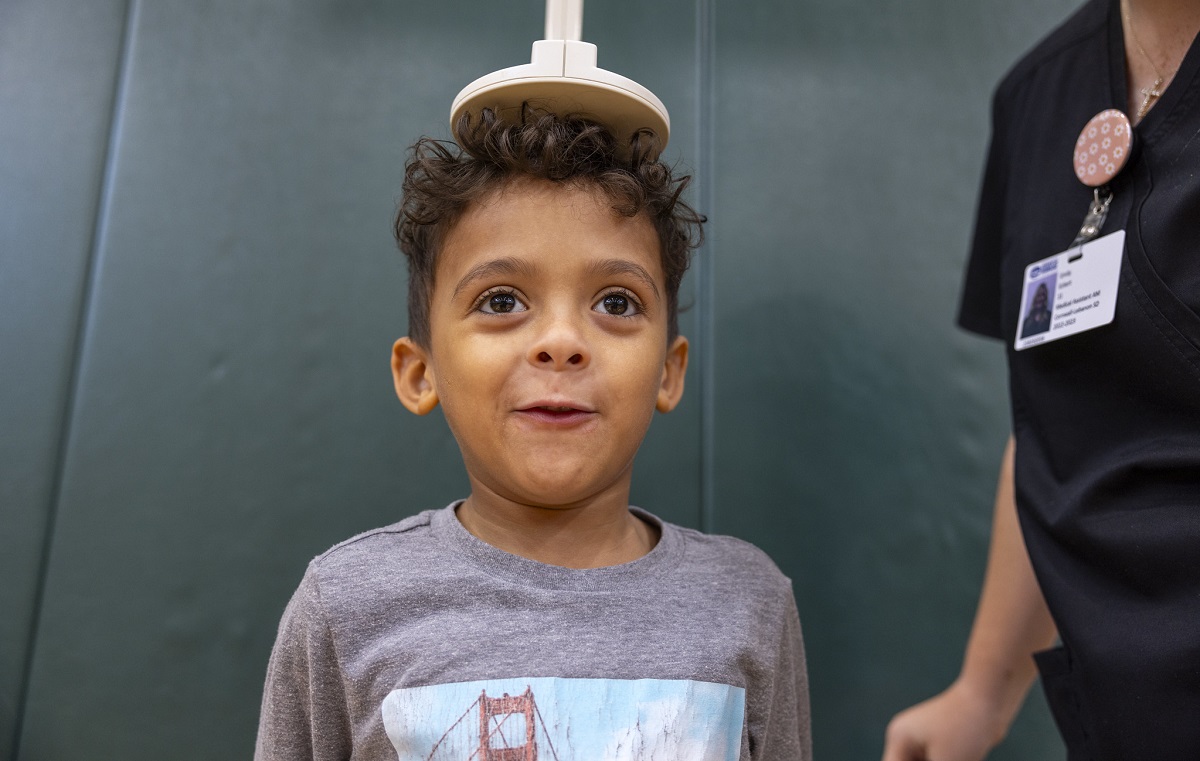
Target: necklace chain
(1153, 92)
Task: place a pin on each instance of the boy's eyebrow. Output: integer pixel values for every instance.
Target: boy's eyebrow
(614, 267)
(505, 266)
(509, 265)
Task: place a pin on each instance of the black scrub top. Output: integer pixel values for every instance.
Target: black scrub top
(1107, 422)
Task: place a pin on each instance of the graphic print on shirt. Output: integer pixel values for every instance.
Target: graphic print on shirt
(555, 719)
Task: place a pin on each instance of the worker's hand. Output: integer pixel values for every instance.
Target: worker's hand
(956, 725)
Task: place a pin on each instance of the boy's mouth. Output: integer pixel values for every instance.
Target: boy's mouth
(561, 414)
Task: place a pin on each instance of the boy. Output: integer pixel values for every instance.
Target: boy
(542, 616)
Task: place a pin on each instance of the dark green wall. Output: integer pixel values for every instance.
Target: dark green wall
(198, 293)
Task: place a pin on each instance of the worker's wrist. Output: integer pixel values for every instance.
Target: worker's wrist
(996, 694)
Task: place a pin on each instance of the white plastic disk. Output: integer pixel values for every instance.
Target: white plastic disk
(563, 78)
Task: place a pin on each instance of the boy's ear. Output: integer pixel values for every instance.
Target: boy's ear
(671, 390)
(413, 376)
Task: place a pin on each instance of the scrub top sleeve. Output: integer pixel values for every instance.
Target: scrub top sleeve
(979, 309)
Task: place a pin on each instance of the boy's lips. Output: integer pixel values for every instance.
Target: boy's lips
(556, 412)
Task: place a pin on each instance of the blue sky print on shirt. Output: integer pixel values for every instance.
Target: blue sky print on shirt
(567, 720)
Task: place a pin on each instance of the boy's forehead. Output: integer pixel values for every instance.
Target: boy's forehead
(526, 214)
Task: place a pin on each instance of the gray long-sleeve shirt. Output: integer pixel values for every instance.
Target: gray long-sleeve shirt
(420, 641)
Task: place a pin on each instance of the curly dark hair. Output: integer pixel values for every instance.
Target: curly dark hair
(442, 178)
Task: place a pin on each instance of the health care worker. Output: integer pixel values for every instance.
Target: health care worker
(1096, 533)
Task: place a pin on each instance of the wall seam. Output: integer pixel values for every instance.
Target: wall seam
(82, 331)
(706, 344)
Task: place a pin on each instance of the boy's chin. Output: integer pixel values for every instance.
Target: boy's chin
(550, 479)
(565, 491)
(549, 496)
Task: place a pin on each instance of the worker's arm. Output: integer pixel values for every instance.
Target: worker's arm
(1012, 622)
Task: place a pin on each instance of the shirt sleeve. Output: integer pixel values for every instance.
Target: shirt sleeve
(782, 730)
(979, 308)
(304, 713)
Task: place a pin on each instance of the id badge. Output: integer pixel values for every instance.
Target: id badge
(1070, 292)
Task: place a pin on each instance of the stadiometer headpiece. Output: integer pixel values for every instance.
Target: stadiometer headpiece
(563, 78)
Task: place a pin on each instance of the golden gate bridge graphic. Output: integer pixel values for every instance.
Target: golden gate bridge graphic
(510, 729)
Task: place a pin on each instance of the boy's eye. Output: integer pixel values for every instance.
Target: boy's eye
(501, 302)
(617, 304)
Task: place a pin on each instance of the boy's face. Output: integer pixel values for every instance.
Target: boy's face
(548, 343)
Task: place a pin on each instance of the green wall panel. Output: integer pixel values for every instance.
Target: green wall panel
(857, 431)
(58, 66)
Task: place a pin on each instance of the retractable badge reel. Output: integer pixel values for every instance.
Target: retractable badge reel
(1101, 152)
(563, 78)
(1076, 290)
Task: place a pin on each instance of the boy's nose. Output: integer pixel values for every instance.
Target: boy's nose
(546, 357)
(560, 347)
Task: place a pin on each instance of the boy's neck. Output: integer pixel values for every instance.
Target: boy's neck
(592, 534)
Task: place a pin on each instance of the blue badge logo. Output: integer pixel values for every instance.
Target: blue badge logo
(1041, 268)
